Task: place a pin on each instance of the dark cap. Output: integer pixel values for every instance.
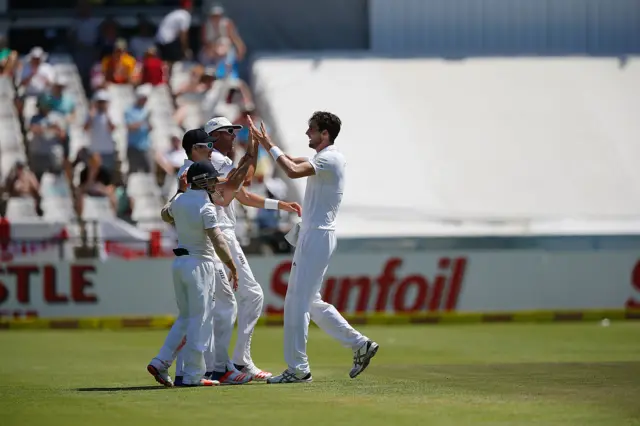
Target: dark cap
(201, 171)
(193, 137)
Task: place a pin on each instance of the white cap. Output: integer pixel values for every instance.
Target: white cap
(143, 91)
(37, 52)
(216, 10)
(101, 95)
(61, 80)
(217, 123)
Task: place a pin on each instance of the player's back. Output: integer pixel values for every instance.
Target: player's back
(325, 189)
(187, 211)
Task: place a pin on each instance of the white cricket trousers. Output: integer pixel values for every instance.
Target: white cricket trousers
(194, 286)
(223, 317)
(249, 297)
(303, 301)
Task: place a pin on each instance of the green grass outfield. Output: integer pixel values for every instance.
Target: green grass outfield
(484, 374)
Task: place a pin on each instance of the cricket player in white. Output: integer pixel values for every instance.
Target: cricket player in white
(249, 294)
(199, 237)
(314, 247)
(225, 308)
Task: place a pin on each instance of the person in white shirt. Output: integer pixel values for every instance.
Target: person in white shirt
(250, 296)
(199, 146)
(194, 278)
(36, 77)
(314, 247)
(172, 37)
(100, 127)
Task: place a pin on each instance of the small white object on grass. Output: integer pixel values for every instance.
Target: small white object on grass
(605, 322)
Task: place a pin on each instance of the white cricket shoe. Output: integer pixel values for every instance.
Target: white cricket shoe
(160, 372)
(362, 356)
(256, 374)
(289, 377)
(234, 377)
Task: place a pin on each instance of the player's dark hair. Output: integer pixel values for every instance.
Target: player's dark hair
(327, 121)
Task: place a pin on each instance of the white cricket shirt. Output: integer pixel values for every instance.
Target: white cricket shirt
(226, 215)
(323, 195)
(172, 25)
(193, 213)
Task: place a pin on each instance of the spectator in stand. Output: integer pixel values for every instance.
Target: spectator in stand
(170, 161)
(119, 67)
(8, 58)
(235, 97)
(219, 26)
(63, 104)
(226, 63)
(100, 127)
(139, 133)
(98, 185)
(36, 78)
(152, 71)
(203, 93)
(47, 136)
(109, 33)
(21, 182)
(84, 34)
(172, 37)
(173, 158)
(141, 42)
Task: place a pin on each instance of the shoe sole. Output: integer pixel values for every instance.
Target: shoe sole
(156, 375)
(290, 383)
(210, 383)
(370, 354)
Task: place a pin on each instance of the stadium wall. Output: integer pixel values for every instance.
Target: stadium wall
(444, 28)
(390, 288)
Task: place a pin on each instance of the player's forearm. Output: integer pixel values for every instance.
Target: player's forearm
(250, 199)
(221, 247)
(296, 160)
(289, 167)
(165, 213)
(236, 179)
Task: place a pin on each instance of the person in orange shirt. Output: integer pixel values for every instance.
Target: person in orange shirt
(120, 67)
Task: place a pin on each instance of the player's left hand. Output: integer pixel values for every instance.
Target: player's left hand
(292, 208)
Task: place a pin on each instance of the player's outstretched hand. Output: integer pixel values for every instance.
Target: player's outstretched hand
(260, 134)
(292, 208)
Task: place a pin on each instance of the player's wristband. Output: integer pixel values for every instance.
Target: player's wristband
(271, 204)
(276, 153)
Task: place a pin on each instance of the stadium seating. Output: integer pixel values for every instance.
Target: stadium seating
(494, 145)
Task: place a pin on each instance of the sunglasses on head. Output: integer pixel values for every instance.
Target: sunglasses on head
(209, 145)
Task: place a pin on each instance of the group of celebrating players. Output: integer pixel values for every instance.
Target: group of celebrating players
(213, 282)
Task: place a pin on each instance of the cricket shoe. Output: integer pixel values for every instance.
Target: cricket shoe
(161, 374)
(362, 356)
(289, 377)
(235, 377)
(256, 374)
(202, 382)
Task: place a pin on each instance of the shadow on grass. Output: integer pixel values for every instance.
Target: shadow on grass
(121, 389)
